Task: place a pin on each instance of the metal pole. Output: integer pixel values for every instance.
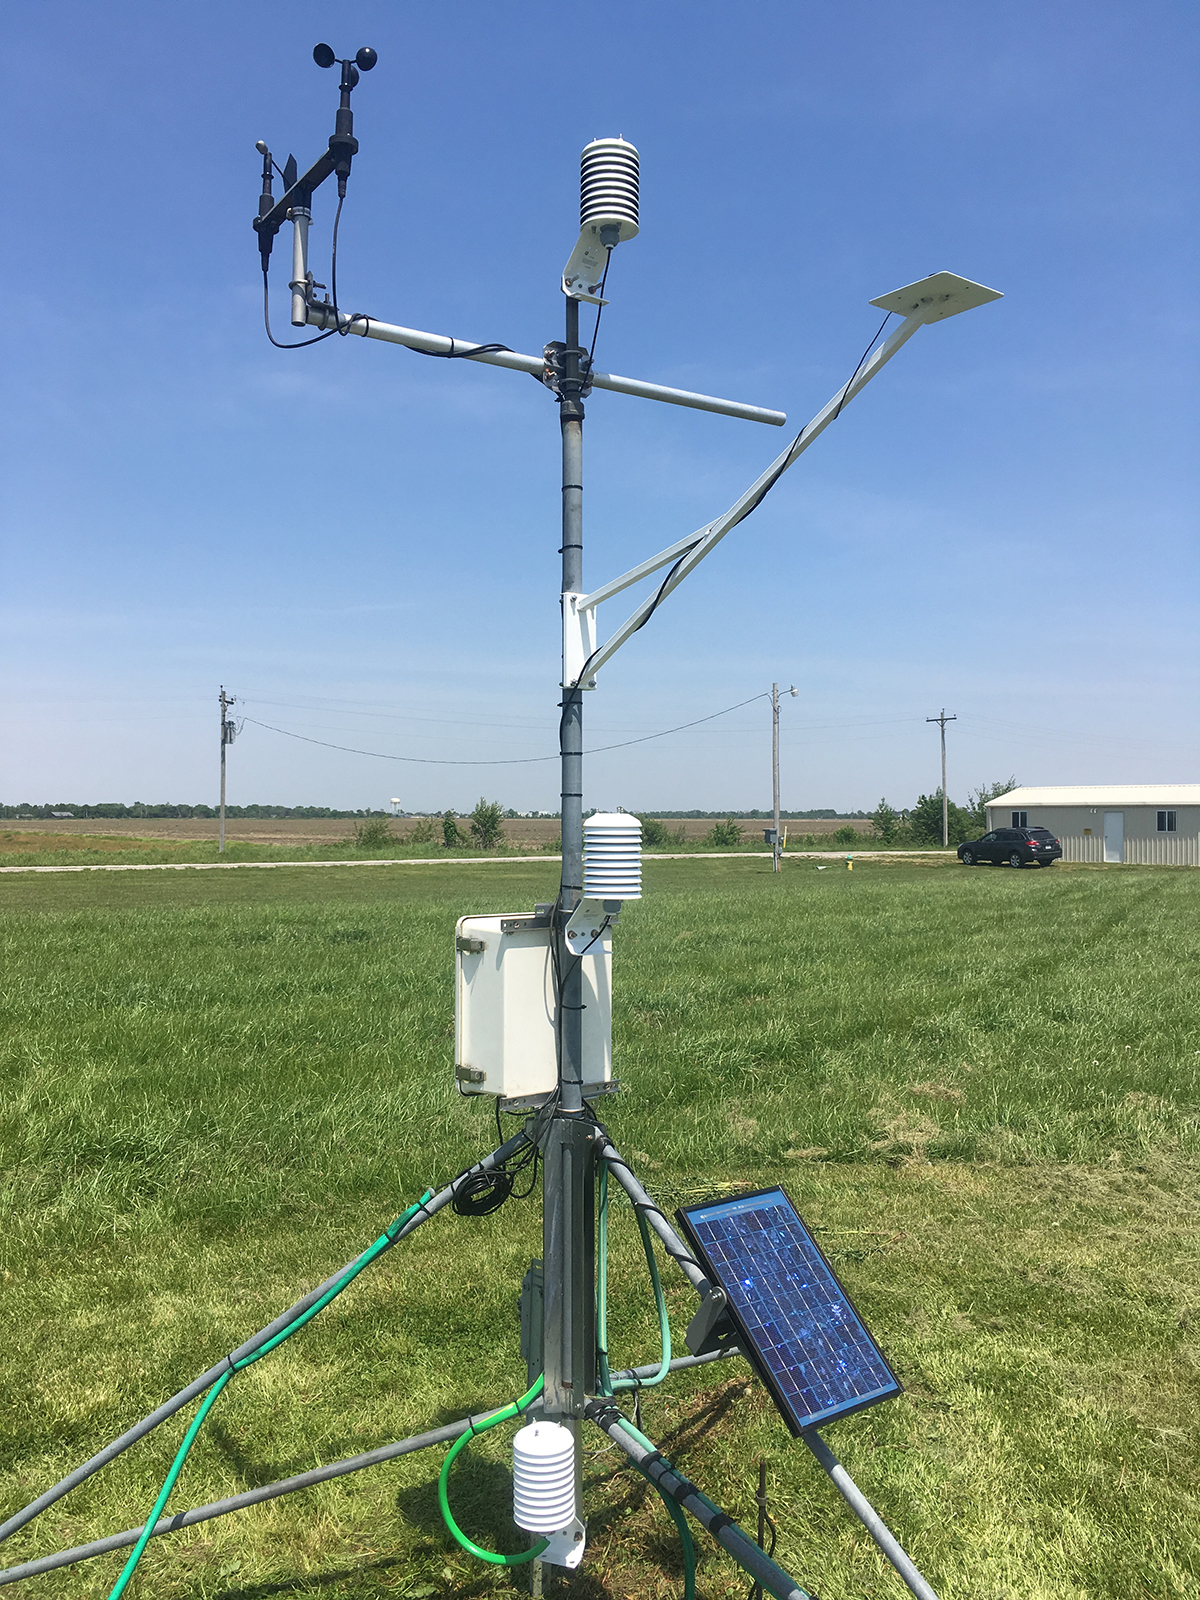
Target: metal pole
(568, 1232)
(761, 1501)
(571, 729)
(941, 722)
(866, 1512)
(777, 864)
(224, 704)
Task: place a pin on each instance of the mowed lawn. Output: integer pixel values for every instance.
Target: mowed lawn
(980, 1086)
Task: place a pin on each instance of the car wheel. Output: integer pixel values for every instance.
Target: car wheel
(1049, 863)
(1015, 860)
(967, 858)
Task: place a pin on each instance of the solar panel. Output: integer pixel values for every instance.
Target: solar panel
(795, 1321)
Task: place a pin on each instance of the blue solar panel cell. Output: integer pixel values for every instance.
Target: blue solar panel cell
(793, 1316)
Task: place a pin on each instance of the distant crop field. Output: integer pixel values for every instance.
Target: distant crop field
(99, 841)
(982, 1089)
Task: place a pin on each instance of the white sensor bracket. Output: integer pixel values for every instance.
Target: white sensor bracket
(586, 922)
(583, 273)
(565, 1548)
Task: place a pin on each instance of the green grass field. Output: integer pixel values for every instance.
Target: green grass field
(980, 1086)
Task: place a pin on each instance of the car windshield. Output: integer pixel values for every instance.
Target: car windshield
(1040, 833)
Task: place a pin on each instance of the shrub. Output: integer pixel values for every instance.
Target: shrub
(845, 836)
(452, 834)
(925, 819)
(485, 824)
(976, 807)
(724, 835)
(655, 834)
(373, 833)
(885, 822)
(421, 832)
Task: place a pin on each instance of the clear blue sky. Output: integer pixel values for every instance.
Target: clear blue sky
(361, 543)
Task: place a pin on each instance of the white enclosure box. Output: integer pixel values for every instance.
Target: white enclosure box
(504, 1027)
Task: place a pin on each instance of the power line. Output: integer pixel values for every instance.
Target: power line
(511, 761)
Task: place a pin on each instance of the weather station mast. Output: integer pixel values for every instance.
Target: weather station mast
(533, 1003)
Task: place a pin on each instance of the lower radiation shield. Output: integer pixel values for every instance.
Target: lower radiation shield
(794, 1320)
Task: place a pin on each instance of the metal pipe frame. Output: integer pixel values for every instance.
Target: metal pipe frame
(709, 1515)
(868, 1516)
(303, 1480)
(439, 344)
(207, 1379)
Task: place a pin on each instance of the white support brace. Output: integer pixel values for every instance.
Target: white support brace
(944, 294)
(579, 640)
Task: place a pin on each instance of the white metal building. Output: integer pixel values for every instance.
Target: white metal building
(1156, 824)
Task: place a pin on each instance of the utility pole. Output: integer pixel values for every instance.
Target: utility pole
(941, 722)
(777, 848)
(228, 734)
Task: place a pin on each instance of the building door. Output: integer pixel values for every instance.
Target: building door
(1114, 836)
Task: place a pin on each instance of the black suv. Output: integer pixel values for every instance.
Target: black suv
(1014, 845)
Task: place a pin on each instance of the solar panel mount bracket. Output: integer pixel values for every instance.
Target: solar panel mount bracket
(712, 1328)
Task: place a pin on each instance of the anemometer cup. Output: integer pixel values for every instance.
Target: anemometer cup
(364, 59)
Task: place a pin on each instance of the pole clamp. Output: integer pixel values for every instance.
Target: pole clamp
(554, 374)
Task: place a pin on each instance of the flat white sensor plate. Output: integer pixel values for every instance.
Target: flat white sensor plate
(944, 294)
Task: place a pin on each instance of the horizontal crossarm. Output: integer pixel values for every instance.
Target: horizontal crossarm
(439, 344)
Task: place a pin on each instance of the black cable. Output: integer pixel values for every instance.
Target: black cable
(302, 344)
(784, 462)
(599, 313)
(483, 1193)
(461, 355)
(358, 316)
(854, 374)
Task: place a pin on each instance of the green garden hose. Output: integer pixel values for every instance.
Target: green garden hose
(606, 1384)
(677, 1516)
(386, 1238)
(513, 1409)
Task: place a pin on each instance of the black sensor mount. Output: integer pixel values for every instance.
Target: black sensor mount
(343, 147)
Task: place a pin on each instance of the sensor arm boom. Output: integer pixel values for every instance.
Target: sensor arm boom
(438, 344)
(690, 552)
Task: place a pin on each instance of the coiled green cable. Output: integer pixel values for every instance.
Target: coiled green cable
(386, 1238)
(513, 1409)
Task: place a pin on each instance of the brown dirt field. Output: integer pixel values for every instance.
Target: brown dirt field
(81, 832)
